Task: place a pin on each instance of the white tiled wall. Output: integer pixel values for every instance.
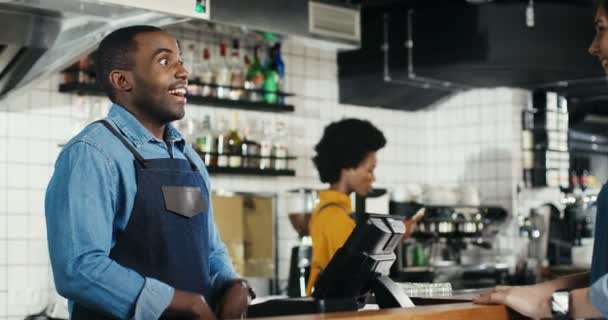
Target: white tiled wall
(466, 139)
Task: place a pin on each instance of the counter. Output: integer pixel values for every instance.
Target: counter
(454, 311)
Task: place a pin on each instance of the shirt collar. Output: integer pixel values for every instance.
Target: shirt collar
(136, 132)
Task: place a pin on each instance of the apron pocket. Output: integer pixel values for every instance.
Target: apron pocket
(185, 201)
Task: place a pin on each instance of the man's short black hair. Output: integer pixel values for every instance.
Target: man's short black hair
(345, 144)
(603, 4)
(115, 52)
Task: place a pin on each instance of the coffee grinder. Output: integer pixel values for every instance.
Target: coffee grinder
(301, 202)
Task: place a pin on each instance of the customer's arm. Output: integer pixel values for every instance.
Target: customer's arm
(80, 207)
(533, 301)
(570, 282)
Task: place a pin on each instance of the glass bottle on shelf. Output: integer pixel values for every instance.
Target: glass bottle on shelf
(266, 161)
(222, 144)
(222, 74)
(206, 74)
(205, 143)
(234, 144)
(237, 72)
(280, 147)
(279, 66)
(271, 80)
(255, 77)
(84, 65)
(191, 59)
(250, 148)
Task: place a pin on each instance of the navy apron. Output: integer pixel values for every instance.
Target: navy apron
(165, 237)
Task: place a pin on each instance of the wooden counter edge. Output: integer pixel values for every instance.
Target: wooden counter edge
(456, 311)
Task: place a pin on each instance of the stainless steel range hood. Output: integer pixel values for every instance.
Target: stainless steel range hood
(47, 36)
(44, 37)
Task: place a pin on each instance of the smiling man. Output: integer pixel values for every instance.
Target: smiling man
(130, 224)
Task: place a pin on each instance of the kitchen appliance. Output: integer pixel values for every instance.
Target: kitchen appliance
(440, 245)
(301, 202)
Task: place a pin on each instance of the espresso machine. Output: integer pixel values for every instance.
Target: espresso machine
(301, 202)
(439, 248)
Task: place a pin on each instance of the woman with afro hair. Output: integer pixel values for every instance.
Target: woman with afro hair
(345, 159)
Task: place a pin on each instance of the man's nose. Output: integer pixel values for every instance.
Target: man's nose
(182, 73)
(593, 48)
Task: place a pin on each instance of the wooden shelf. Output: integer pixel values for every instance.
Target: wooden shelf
(91, 89)
(251, 171)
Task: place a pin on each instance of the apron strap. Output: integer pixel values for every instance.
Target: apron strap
(124, 141)
(194, 166)
(333, 204)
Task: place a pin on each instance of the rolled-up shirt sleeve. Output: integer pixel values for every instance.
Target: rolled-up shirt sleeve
(598, 295)
(80, 208)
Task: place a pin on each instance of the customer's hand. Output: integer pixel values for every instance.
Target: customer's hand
(235, 301)
(530, 301)
(189, 305)
(410, 224)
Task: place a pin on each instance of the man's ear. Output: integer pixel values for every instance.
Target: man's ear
(121, 80)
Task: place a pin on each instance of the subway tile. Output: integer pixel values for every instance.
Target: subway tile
(17, 252)
(18, 125)
(312, 53)
(3, 279)
(17, 226)
(3, 149)
(40, 100)
(39, 176)
(17, 150)
(16, 202)
(38, 279)
(3, 304)
(3, 198)
(3, 252)
(36, 227)
(38, 253)
(17, 176)
(38, 151)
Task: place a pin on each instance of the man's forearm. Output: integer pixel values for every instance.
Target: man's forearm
(580, 305)
(570, 282)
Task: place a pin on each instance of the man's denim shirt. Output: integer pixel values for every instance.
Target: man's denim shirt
(89, 200)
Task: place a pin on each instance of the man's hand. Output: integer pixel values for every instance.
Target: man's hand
(235, 301)
(189, 305)
(531, 301)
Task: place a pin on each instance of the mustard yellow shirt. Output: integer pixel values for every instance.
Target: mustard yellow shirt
(329, 228)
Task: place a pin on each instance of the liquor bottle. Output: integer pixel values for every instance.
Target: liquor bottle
(193, 85)
(266, 161)
(250, 148)
(271, 80)
(255, 77)
(234, 144)
(237, 72)
(280, 147)
(279, 65)
(222, 74)
(206, 75)
(205, 143)
(222, 144)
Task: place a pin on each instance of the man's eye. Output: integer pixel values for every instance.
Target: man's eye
(164, 61)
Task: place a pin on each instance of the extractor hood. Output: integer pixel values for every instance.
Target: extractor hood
(465, 44)
(42, 37)
(56, 33)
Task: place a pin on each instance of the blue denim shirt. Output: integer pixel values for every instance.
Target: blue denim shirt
(598, 293)
(89, 200)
